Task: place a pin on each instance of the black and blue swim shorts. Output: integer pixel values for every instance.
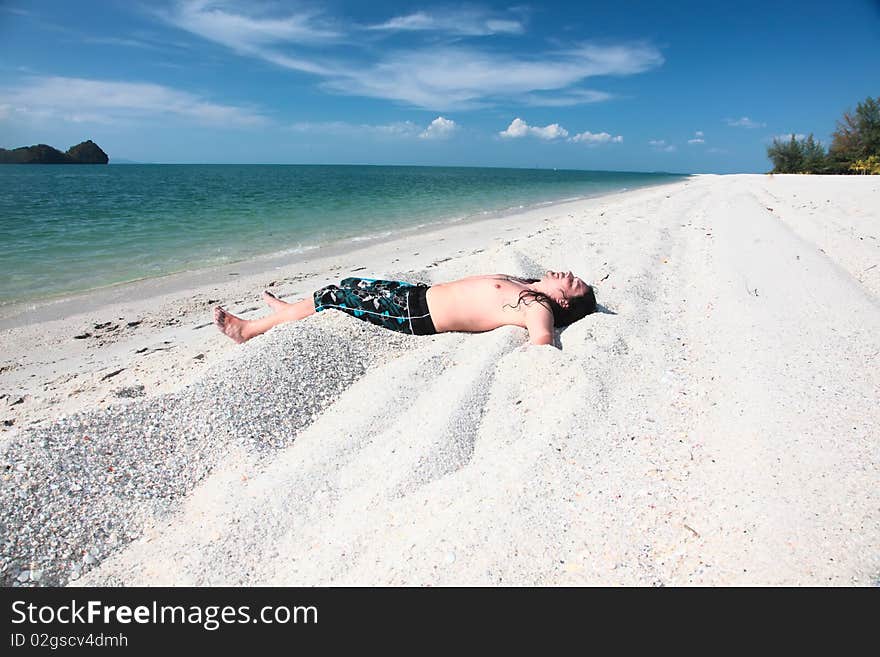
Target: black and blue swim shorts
(394, 305)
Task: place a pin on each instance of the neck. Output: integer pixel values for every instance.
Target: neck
(547, 288)
(539, 286)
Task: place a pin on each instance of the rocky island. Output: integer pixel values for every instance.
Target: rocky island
(88, 152)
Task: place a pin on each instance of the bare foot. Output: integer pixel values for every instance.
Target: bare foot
(274, 302)
(229, 324)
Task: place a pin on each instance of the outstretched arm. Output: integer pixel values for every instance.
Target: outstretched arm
(539, 322)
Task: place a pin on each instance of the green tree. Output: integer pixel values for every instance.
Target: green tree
(787, 156)
(857, 136)
(814, 157)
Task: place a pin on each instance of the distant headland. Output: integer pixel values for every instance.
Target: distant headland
(88, 152)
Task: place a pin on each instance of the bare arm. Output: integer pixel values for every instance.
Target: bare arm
(539, 322)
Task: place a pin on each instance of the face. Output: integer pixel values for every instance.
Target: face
(565, 285)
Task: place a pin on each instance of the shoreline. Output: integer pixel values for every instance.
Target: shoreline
(435, 214)
(22, 312)
(715, 422)
(155, 336)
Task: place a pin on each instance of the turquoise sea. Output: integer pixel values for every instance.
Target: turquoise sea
(66, 228)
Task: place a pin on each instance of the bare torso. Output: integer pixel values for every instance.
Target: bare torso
(477, 303)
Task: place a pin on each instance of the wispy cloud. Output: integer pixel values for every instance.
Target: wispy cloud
(698, 138)
(787, 137)
(118, 41)
(253, 35)
(137, 40)
(211, 19)
(443, 77)
(346, 129)
(566, 98)
(594, 139)
(462, 22)
(519, 128)
(744, 122)
(16, 10)
(82, 100)
(440, 128)
(468, 78)
(661, 145)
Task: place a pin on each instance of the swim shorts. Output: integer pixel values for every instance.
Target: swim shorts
(394, 305)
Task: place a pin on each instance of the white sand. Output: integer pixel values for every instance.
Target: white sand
(719, 424)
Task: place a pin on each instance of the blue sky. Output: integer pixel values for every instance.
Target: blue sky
(653, 86)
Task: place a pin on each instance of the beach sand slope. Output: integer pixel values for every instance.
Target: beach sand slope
(715, 423)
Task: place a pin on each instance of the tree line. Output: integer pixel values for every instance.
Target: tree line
(855, 146)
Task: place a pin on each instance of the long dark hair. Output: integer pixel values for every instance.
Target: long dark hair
(578, 307)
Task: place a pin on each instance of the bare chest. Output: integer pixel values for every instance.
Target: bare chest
(475, 304)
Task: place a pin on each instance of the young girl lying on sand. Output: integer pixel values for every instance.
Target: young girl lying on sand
(473, 304)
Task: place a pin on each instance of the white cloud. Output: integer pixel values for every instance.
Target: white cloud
(788, 136)
(467, 78)
(59, 98)
(16, 10)
(566, 98)
(440, 128)
(210, 19)
(398, 129)
(504, 26)
(596, 138)
(552, 131)
(465, 22)
(661, 145)
(437, 78)
(698, 138)
(744, 122)
(519, 128)
(343, 128)
(116, 41)
(253, 35)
